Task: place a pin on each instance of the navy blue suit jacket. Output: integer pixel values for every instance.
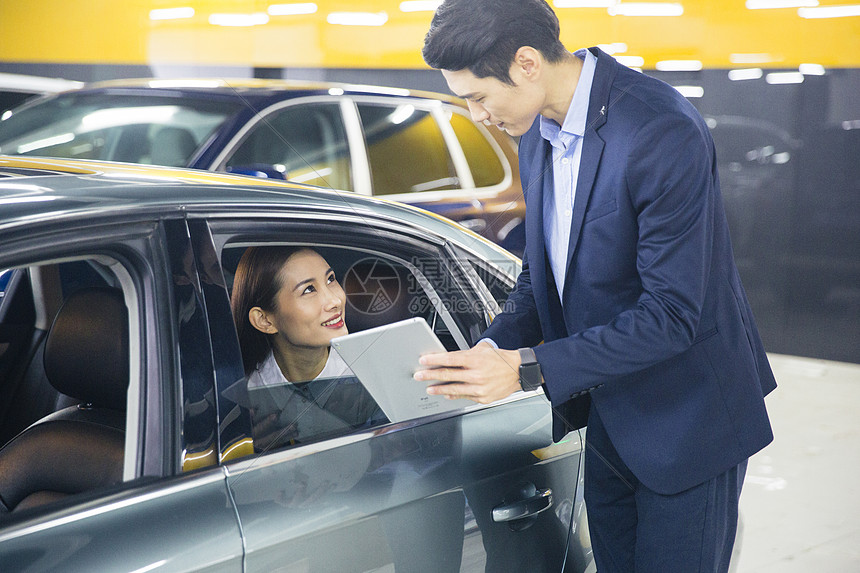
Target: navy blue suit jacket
(654, 310)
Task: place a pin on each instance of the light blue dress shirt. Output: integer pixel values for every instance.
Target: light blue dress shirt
(566, 141)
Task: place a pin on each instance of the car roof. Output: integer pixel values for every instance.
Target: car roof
(36, 189)
(248, 87)
(35, 84)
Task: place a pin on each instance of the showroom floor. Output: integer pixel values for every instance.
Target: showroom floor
(800, 508)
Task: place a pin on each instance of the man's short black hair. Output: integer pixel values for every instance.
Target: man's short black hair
(483, 36)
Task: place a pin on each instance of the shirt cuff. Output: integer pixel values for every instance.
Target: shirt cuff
(490, 341)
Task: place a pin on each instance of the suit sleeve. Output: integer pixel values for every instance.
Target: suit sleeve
(518, 326)
(670, 183)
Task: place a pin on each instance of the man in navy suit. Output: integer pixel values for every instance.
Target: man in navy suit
(628, 282)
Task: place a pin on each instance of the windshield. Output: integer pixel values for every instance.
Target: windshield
(152, 129)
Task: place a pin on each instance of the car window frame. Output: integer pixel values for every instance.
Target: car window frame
(452, 144)
(437, 109)
(492, 269)
(357, 161)
(126, 248)
(151, 482)
(233, 425)
(236, 229)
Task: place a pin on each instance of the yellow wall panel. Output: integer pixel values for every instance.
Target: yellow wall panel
(302, 44)
(111, 31)
(82, 31)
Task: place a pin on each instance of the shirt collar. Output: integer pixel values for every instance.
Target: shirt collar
(335, 367)
(577, 113)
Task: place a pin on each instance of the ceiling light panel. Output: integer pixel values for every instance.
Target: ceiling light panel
(745, 74)
(679, 66)
(420, 5)
(357, 18)
(584, 3)
(171, 13)
(690, 91)
(776, 4)
(830, 11)
(779, 78)
(811, 69)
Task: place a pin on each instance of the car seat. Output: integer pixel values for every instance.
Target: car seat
(80, 447)
(172, 146)
(132, 144)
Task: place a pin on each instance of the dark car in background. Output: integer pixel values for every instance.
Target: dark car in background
(757, 162)
(415, 147)
(128, 440)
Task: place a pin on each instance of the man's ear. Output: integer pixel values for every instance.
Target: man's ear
(528, 62)
(259, 319)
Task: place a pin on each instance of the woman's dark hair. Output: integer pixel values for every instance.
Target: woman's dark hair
(483, 36)
(256, 283)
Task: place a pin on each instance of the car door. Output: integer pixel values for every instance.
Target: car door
(418, 495)
(172, 510)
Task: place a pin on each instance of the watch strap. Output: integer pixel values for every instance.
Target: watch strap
(527, 356)
(530, 374)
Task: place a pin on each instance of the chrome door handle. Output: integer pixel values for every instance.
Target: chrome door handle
(474, 225)
(523, 508)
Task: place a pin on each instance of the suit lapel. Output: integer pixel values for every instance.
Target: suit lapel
(540, 181)
(592, 149)
(539, 176)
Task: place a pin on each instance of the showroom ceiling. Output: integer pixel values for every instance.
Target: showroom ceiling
(389, 33)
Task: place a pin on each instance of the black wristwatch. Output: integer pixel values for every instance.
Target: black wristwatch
(530, 375)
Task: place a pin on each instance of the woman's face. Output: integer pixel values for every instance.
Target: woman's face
(310, 304)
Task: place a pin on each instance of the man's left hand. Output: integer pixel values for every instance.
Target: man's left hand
(482, 374)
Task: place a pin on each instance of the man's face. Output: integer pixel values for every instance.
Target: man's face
(512, 108)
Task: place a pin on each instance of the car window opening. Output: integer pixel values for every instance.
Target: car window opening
(67, 431)
(376, 290)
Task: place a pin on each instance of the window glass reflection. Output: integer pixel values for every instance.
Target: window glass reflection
(305, 143)
(157, 131)
(406, 150)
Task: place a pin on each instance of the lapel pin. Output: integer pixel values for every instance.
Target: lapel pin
(603, 110)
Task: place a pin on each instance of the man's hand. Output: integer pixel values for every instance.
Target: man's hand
(482, 374)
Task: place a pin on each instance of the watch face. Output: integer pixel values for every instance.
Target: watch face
(530, 376)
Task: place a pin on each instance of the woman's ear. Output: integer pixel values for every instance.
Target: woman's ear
(259, 319)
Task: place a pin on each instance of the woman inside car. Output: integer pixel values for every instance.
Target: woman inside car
(288, 305)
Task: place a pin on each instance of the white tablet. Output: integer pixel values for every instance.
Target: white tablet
(385, 358)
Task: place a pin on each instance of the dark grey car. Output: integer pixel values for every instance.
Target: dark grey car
(129, 444)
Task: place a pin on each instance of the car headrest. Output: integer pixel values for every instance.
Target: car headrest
(377, 293)
(86, 352)
(172, 146)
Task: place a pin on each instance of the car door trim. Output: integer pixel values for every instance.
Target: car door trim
(452, 142)
(358, 156)
(116, 501)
